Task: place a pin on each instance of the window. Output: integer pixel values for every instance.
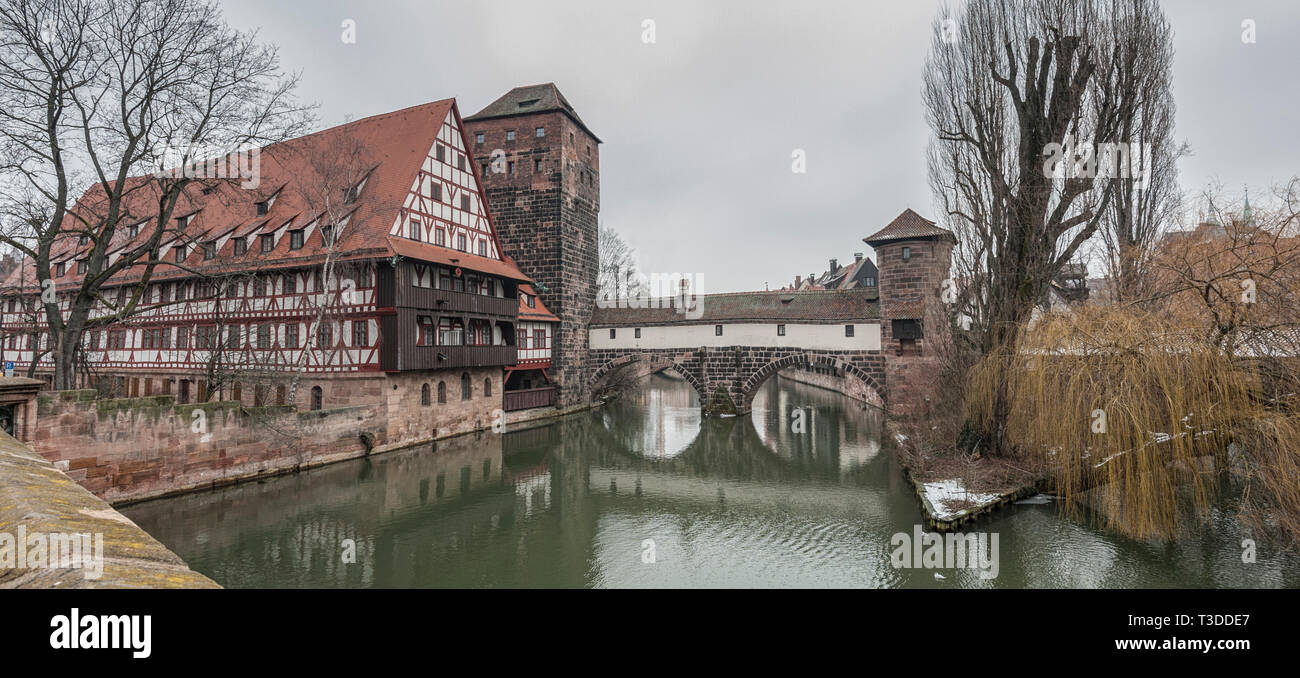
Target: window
(461, 243)
(717, 330)
(464, 202)
(232, 336)
(327, 235)
(425, 398)
(180, 253)
(466, 390)
(232, 289)
(906, 329)
(460, 162)
(589, 151)
(482, 247)
(426, 335)
(290, 284)
(435, 190)
(539, 338)
(83, 239)
(263, 207)
(116, 339)
(478, 139)
(259, 286)
(59, 269)
(636, 334)
(848, 330)
(317, 398)
(81, 266)
(613, 333)
(291, 335)
(439, 237)
(510, 135)
(869, 282)
(268, 242)
(487, 387)
(442, 392)
(182, 222)
(451, 332)
(415, 229)
(510, 167)
(907, 254)
(295, 239)
(182, 337)
(209, 250)
(780, 330)
(241, 246)
(541, 132)
(440, 152)
(360, 333)
(537, 165)
(324, 335)
(264, 336)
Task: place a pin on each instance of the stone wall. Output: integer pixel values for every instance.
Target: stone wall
(38, 501)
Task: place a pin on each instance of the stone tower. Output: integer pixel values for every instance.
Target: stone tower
(541, 174)
(914, 257)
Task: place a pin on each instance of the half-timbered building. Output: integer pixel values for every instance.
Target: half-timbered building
(302, 291)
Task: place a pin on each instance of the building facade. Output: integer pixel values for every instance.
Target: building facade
(390, 286)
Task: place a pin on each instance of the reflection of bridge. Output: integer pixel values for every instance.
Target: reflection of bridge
(727, 345)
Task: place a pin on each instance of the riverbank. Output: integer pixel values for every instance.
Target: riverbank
(81, 541)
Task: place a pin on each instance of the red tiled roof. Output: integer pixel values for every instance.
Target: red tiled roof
(907, 226)
(395, 144)
(538, 310)
(441, 255)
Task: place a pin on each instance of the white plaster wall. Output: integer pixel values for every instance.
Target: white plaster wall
(866, 336)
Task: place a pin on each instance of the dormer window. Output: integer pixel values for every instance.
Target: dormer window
(355, 192)
(132, 231)
(182, 222)
(179, 252)
(268, 242)
(296, 239)
(81, 267)
(263, 207)
(83, 239)
(59, 269)
(241, 246)
(209, 250)
(327, 235)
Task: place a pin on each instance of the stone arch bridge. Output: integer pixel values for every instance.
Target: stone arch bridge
(728, 345)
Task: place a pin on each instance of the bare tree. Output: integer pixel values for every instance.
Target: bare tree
(618, 277)
(1029, 106)
(106, 96)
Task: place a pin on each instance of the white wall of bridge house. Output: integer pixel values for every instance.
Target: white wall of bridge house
(812, 336)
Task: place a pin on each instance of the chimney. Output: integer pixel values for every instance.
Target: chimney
(798, 280)
(857, 257)
(835, 266)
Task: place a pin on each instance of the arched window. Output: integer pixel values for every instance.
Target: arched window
(317, 398)
(466, 391)
(487, 387)
(442, 392)
(424, 394)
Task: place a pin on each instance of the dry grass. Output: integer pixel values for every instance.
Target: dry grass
(1150, 409)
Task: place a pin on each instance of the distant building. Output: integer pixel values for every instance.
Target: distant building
(860, 274)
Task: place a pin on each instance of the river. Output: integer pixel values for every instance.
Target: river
(646, 493)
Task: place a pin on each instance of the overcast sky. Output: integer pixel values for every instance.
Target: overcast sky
(699, 127)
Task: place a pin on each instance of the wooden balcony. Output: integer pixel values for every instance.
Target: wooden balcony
(528, 398)
(436, 357)
(449, 301)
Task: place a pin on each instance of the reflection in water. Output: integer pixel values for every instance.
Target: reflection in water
(799, 494)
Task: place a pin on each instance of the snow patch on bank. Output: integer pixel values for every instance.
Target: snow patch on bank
(942, 494)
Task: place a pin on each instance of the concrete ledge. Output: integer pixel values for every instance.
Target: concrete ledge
(40, 499)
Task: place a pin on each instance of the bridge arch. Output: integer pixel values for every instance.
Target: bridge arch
(838, 364)
(656, 361)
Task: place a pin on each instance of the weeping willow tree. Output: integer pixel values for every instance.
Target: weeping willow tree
(1144, 417)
